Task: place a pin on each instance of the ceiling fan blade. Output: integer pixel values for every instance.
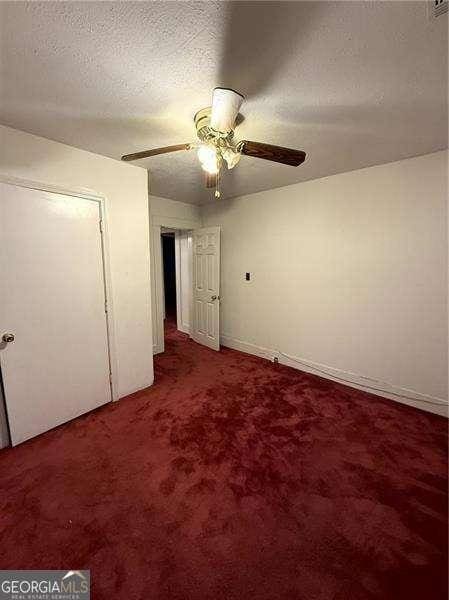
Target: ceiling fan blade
(226, 104)
(155, 151)
(286, 156)
(210, 180)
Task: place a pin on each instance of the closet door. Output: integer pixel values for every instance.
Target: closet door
(53, 330)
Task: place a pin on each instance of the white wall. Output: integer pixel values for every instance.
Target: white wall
(349, 272)
(174, 210)
(126, 190)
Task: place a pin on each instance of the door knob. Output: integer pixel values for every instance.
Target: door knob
(8, 337)
(215, 298)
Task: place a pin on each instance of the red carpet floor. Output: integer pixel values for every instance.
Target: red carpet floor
(233, 478)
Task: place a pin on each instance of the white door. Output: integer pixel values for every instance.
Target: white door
(53, 303)
(206, 286)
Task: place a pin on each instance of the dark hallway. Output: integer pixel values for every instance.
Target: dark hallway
(169, 269)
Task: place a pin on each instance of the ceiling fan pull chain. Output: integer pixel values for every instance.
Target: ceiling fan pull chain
(217, 185)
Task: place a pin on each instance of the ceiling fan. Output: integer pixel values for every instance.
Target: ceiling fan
(215, 127)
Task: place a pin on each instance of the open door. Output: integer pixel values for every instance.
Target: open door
(206, 287)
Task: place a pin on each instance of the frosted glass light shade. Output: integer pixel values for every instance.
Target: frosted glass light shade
(208, 159)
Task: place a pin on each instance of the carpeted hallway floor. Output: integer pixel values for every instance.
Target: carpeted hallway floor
(233, 478)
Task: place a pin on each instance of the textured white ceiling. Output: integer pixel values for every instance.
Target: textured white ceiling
(352, 83)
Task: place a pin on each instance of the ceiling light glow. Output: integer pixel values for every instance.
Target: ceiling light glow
(208, 159)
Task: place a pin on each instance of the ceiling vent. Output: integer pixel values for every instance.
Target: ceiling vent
(438, 7)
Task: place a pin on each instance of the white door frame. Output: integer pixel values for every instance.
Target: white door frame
(157, 223)
(181, 248)
(105, 250)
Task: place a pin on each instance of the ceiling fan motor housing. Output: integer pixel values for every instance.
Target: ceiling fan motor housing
(204, 130)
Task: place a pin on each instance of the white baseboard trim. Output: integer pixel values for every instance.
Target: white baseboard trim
(236, 344)
(392, 392)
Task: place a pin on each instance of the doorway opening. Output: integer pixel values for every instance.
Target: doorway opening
(169, 275)
(191, 283)
(176, 280)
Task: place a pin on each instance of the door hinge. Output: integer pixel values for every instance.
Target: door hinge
(105, 306)
(110, 377)
(100, 224)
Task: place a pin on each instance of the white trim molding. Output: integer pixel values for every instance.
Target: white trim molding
(384, 389)
(105, 250)
(48, 187)
(183, 258)
(157, 222)
(102, 202)
(157, 290)
(174, 222)
(246, 347)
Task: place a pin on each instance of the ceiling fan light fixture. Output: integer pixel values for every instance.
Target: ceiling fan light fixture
(209, 159)
(231, 156)
(212, 169)
(215, 131)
